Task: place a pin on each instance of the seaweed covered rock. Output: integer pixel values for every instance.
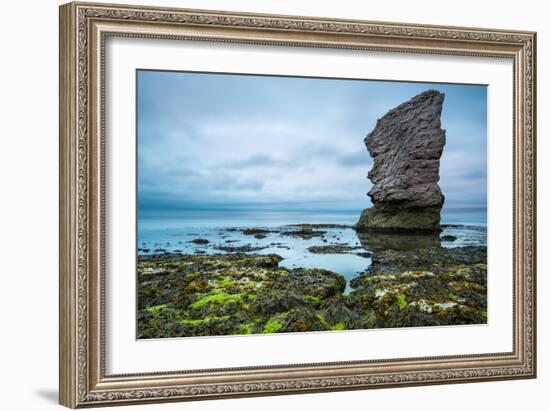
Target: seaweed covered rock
(303, 319)
(406, 146)
(338, 310)
(436, 259)
(204, 295)
(276, 301)
(425, 287)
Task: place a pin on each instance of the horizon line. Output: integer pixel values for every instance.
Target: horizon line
(294, 209)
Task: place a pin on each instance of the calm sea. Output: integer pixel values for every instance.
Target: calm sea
(174, 232)
(155, 220)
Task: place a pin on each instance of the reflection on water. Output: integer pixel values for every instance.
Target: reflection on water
(375, 242)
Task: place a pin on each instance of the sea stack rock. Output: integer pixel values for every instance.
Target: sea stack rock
(406, 146)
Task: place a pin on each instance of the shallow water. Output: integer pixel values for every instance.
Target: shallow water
(175, 234)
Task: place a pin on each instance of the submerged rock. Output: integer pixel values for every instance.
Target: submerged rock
(256, 231)
(306, 232)
(364, 254)
(333, 249)
(406, 146)
(247, 248)
(200, 241)
(326, 225)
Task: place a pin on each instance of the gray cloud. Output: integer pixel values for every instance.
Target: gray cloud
(355, 159)
(241, 141)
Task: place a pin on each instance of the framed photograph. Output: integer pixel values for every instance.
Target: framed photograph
(259, 204)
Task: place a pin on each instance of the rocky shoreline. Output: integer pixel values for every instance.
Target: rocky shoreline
(183, 295)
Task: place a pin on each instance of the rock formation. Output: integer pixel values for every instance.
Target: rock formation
(406, 146)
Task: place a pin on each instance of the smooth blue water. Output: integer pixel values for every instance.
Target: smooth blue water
(195, 218)
(464, 216)
(173, 232)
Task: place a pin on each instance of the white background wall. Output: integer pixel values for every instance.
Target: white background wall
(29, 189)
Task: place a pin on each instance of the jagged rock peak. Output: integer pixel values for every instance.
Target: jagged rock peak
(406, 146)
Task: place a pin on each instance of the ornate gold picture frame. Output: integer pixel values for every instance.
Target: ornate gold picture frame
(84, 30)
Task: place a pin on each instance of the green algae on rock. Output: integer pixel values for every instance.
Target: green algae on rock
(183, 295)
(425, 287)
(190, 295)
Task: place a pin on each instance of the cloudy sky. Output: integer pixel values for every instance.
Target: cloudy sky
(236, 142)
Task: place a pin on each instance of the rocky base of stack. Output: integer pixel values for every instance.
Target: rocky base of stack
(422, 220)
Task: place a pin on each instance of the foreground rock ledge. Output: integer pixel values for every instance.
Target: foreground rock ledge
(406, 146)
(183, 295)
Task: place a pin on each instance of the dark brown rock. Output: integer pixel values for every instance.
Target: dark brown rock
(406, 146)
